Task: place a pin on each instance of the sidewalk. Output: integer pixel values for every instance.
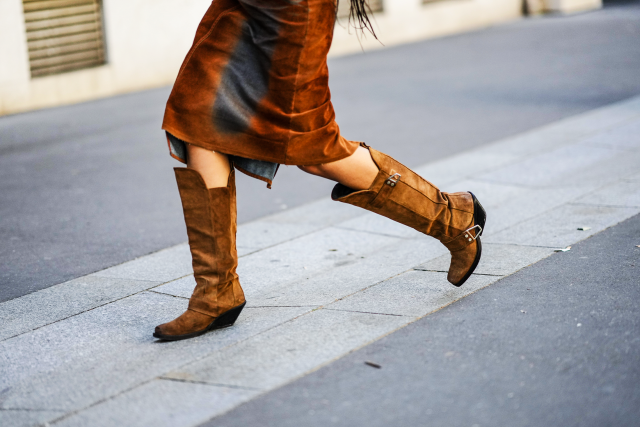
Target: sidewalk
(319, 281)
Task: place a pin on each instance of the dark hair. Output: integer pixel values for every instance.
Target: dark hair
(358, 15)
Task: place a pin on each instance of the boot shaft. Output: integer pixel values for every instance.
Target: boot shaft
(210, 217)
(400, 194)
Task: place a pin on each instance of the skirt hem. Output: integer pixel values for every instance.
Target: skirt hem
(286, 160)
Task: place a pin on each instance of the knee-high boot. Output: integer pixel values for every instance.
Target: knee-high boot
(455, 219)
(210, 216)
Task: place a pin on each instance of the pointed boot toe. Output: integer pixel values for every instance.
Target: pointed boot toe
(464, 263)
(189, 324)
(192, 323)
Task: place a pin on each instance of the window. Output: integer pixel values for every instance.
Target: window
(63, 35)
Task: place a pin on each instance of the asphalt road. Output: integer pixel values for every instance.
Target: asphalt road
(88, 186)
(555, 344)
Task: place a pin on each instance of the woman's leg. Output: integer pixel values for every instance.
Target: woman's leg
(356, 172)
(374, 181)
(208, 193)
(213, 167)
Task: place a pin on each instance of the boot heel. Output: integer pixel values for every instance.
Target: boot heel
(479, 219)
(479, 214)
(228, 318)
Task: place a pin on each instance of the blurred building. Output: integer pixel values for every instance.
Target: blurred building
(55, 52)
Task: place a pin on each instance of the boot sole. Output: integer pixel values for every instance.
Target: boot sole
(479, 218)
(226, 319)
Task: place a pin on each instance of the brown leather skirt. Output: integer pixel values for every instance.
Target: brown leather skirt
(255, 83)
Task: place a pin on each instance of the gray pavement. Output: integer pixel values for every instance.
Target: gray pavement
(555, 344)
(89, 186)
(321, 281)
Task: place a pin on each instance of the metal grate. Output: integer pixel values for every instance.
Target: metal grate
(63, 35)
(345, 5)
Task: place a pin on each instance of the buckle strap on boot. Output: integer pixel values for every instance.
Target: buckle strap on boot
(471, 236)
(464, 239)
(385, 191)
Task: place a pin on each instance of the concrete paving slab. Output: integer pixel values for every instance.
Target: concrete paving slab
(414, 293)
(258, 235)
(290, 350)
(374, 223)
(549, 168)
(536, 141)
(626, 137)
(23, 417)
(292, 223)
(464, 165)
(321, 213)
(336, 283)
(497, 260)
(622, 193)
(49, 305)
(182, 287)
(530, 204)
(297, 259)
(568, 131)
(163, 266)
(609, 170)
(160, 403)
(491, 194)
(634, 177)
(82, 360)
(558, 227)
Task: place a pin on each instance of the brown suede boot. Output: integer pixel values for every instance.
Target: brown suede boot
(210, 215)
(456, 219)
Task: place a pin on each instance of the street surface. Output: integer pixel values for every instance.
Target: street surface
(89, 186)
